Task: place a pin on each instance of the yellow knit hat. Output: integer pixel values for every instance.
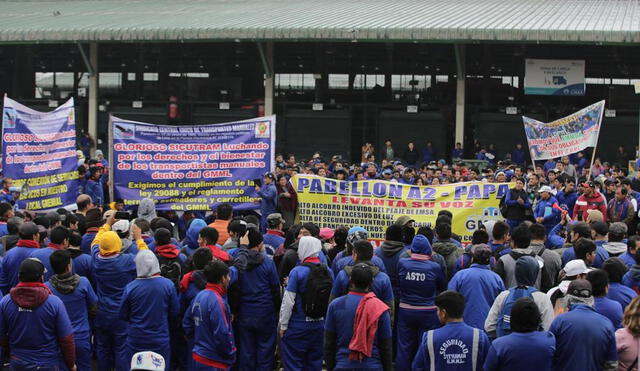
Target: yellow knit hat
(110, 243)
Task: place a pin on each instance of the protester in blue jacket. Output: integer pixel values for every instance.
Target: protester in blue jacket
(302, 336)
(479, 285)
(363, 342)
(362, 253)
(148, 304)
(390, 252)
(58, 240)
(583, 328)
(80, 301)
(6, 213)
(28, 243)
(259, 304)
(526, 348)
(420, 280)
(568, 195)
(35, 325)
(274, 236)
(544, 212)
(268, 199)
(455, 346)
(190, 243)
(616, 269)
(94, 187)
(113, 271)
(5, 193)
(609, 308)
(208, 322)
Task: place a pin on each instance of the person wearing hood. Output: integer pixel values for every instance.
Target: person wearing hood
(527, 271)
(113, 271)
(363, 253)
(614, 244)
(58, 240)
(302, 336)
(420, 280)
(207, 322)
(34, 324)
(526, 348)
(479, 285)
(28, 243)
(79, 299)
(149, 303)
(258, 304)
(93, 222)
(551, 260)
(616, 269)
(147, 210)
(583, 329)
(390, 252)
(447, 248)
(190, 243)
(506, 265)
(633, 243)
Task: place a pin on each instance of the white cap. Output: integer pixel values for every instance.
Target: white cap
(147, 361)
(545, 189)
(121, 226)
(576, 267)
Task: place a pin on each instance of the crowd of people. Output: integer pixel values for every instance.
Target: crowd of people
(553, 286)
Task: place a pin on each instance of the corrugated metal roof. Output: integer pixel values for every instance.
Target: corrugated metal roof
(600, 21)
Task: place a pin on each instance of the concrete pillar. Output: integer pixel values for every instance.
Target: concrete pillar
(460, 91)
(93, 93)
(269, 80)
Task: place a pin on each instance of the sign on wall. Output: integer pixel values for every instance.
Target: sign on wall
(554, 77)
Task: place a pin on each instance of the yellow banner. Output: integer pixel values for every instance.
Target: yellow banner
(376, 204)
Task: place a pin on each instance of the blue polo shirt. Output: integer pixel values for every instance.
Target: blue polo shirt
(77, 304)
(621, 293)
(522, 351)
(453, 349)
(585, 340)
(610, 309)
(480, 287)
(340, 317)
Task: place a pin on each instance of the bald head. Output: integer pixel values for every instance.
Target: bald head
(84, 203)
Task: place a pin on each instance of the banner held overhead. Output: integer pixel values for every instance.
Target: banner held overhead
(191, 167)
(39, 151)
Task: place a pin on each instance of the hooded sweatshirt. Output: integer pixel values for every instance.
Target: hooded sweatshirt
(147, 209)
(33, 319)
(292, 310)
(526, 274)
(615, 248)
(631, 279)
(390, 252)
(80, 301)
(420, 279)
(258, 284)
(148, 304)
(191, 240)
(506, 266)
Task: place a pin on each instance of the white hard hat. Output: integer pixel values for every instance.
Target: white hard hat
(147, 361)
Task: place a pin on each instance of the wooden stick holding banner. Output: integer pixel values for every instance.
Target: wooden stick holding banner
(593, 155)
(110, 140)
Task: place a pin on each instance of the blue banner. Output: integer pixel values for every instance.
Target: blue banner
(191, 167)
(39, 150)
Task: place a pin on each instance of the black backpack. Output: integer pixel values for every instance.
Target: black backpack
(315, 299)
(503, 205)
(170, 269)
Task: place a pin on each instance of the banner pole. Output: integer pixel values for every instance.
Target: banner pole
(593, 155)
(110, 140)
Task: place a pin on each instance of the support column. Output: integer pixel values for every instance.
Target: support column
(269, 79)
(93, 93)
(460, 91)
